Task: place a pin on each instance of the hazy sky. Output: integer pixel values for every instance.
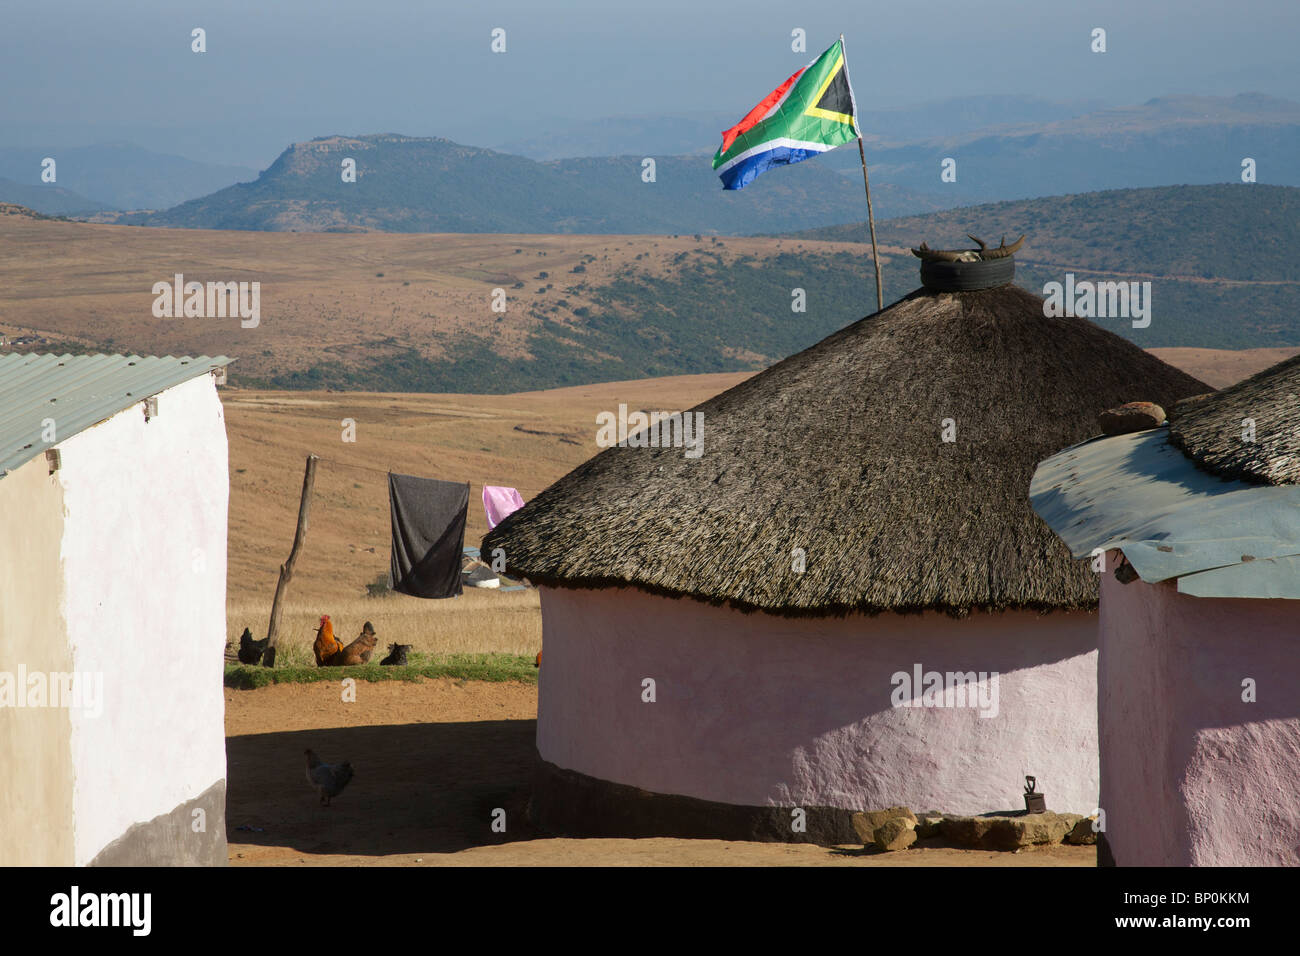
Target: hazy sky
(276, 71)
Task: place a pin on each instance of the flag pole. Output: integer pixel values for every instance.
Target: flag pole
(871, 222)
(866, 183)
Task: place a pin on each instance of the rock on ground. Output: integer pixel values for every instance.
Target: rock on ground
(897, 833)
(865, 824)
(1083, 834)
(1009, 831)
(928, 825)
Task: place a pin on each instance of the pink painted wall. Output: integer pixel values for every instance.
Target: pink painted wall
(1192, 774)
(759, 710)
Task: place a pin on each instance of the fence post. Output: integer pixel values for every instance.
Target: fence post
(286, 569)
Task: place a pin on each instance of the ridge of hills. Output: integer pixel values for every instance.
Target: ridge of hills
(423, 184)
(394, 312)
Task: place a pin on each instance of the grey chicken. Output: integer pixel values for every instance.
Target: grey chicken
(327, 779)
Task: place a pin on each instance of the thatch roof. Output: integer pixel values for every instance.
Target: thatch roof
(1210, 431)
(837, 450)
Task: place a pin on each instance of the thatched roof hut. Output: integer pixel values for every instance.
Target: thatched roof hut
(838, 450)
(1209, 428)
(1199, 523)
(884, 469)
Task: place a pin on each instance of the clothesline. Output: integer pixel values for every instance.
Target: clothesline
(428, 515)
(348, 464)
(497, 501)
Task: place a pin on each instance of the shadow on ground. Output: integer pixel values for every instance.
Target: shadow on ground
(418, 788)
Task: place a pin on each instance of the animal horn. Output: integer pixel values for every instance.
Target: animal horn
(1002, 251)
(978, 241)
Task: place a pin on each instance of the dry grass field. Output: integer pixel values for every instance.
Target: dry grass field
(525, 441)
(346, 299)
(1222, 367)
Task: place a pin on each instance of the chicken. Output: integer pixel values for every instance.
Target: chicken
(358, 652)
(327, 645)
(538, 662)
(327, 779)
(250, 651)
(396, 655)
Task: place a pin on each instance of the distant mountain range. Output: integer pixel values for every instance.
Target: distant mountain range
(49, 199)
(416, 184)
(1006, 147)
(109, 176)
(412, 184)
(696, 133)
(1166, 141)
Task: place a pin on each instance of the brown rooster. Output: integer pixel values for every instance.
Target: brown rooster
(327, 645)
(359, 651)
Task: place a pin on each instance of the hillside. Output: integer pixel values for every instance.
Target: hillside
(414, 313)
(410, 184)
(22, 212)
(1224, 261)
(118, 175)
(48, 199)
(1174, 139)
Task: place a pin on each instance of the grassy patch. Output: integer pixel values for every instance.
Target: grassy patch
(486, 667)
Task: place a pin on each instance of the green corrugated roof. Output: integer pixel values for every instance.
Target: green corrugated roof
(79, 391)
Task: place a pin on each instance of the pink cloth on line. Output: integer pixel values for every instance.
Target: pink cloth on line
(500, 502)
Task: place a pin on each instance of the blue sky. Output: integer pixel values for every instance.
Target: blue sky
(283, 70)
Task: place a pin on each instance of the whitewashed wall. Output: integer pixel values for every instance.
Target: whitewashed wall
(758, 710)
(1195, 772)
(144, 552)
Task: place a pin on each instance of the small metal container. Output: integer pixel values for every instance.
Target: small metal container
(1035, 802)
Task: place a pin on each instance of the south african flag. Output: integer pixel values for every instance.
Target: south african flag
(810, 113)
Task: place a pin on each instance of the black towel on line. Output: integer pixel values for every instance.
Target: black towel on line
(428, 535)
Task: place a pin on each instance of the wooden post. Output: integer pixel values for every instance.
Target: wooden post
(866, 183)
(871, 221)
(286, 569)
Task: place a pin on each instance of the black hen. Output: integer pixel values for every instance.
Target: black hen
(396, 655)
(251, 651)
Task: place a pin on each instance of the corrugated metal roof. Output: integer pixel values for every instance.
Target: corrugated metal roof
(78, 391)
(1218, 537)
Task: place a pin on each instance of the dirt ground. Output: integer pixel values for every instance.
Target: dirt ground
(433, 761)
